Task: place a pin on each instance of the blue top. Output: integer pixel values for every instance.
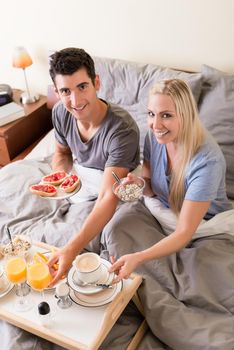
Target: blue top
(204, 179)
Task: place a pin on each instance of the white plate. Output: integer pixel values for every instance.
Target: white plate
(64, 280)
(48, 289)
(99, 299)
(106, 278)
(6, 291)
(63, 195)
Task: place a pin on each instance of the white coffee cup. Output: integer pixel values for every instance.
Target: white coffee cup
(4, 283)
(88, 267)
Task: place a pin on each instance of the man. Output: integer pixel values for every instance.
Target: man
(97, 134)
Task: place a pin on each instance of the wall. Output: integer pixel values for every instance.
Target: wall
(176, 33)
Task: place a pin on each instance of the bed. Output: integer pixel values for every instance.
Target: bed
(188, 298)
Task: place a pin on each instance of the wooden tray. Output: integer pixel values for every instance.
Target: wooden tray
(78, 327)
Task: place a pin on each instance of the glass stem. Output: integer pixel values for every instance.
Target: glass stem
(42, 295)
(20, 293)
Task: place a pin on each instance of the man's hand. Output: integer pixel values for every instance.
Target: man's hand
(60, 263)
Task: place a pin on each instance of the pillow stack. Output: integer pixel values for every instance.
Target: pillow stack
(216, 108)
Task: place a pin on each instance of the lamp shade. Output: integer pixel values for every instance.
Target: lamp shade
(21, 58)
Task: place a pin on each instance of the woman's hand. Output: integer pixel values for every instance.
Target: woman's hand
(147, 190)
(129, 179)
(124, 266)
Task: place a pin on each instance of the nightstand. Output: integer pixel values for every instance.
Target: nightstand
(20, 136)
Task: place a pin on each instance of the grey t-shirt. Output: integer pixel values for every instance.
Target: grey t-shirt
(115, 143)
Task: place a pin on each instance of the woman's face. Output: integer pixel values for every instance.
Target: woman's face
(162, 118)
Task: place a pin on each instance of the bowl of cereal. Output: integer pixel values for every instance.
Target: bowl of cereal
(20, 245)
(129, 189)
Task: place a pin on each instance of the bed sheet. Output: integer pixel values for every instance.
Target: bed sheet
(188, 298)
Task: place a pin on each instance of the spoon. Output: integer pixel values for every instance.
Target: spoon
(116, 177)
(10, 238)
(87, 284)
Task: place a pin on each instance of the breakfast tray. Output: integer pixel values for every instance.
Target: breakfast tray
(79, 327)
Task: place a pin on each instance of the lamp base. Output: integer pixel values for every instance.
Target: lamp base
(25, 98)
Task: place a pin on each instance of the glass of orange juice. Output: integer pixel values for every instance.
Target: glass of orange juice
(16, 272)
(39, 276)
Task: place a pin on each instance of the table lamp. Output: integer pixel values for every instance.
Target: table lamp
(21, 59)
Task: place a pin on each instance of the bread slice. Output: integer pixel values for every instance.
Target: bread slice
(70, 183)
(44, 190)
(55, 178)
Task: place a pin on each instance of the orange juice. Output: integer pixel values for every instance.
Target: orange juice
(16, 270)
(39, 276)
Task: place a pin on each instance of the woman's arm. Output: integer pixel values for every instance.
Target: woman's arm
(146, 174)
(190, 217)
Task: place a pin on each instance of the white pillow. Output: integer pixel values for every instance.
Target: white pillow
(220, 223)
(44, 148)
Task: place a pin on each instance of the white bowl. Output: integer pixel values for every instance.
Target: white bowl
(21, 246)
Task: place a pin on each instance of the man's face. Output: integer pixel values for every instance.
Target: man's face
(78, 94)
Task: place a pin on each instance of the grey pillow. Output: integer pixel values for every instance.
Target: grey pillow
(128, 83)
(216, 107)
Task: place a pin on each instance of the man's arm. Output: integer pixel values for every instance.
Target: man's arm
(100, 215)
(62, 158)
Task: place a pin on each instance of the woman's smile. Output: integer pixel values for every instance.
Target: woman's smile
(162, 118)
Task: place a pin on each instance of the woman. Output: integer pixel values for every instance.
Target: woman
(184, 169)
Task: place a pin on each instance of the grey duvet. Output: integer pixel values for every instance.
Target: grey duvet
(188, 298)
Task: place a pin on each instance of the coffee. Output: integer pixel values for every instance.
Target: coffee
(88, 267)
(87, 263)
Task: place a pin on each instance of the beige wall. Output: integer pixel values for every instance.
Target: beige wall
(176, 33)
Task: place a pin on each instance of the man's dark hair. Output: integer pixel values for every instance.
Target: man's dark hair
(69, 60)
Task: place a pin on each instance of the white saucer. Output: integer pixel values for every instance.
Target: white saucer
(98, 299)
(106, 278)
(7, 290)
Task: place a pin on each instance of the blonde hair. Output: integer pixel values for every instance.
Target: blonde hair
(190, 137)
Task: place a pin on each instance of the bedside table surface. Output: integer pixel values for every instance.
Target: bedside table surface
(19, 135)
(28, 109)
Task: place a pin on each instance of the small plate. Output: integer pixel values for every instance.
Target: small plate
(102, 298)
(106, 278)
(7, 290)
(63, 195)
(48, 289)
(64, 280)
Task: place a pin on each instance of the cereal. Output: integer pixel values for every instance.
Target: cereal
(21, 245)
(129, 189)
(129, 192)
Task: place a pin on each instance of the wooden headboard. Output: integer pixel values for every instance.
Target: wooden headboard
(52, 97)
